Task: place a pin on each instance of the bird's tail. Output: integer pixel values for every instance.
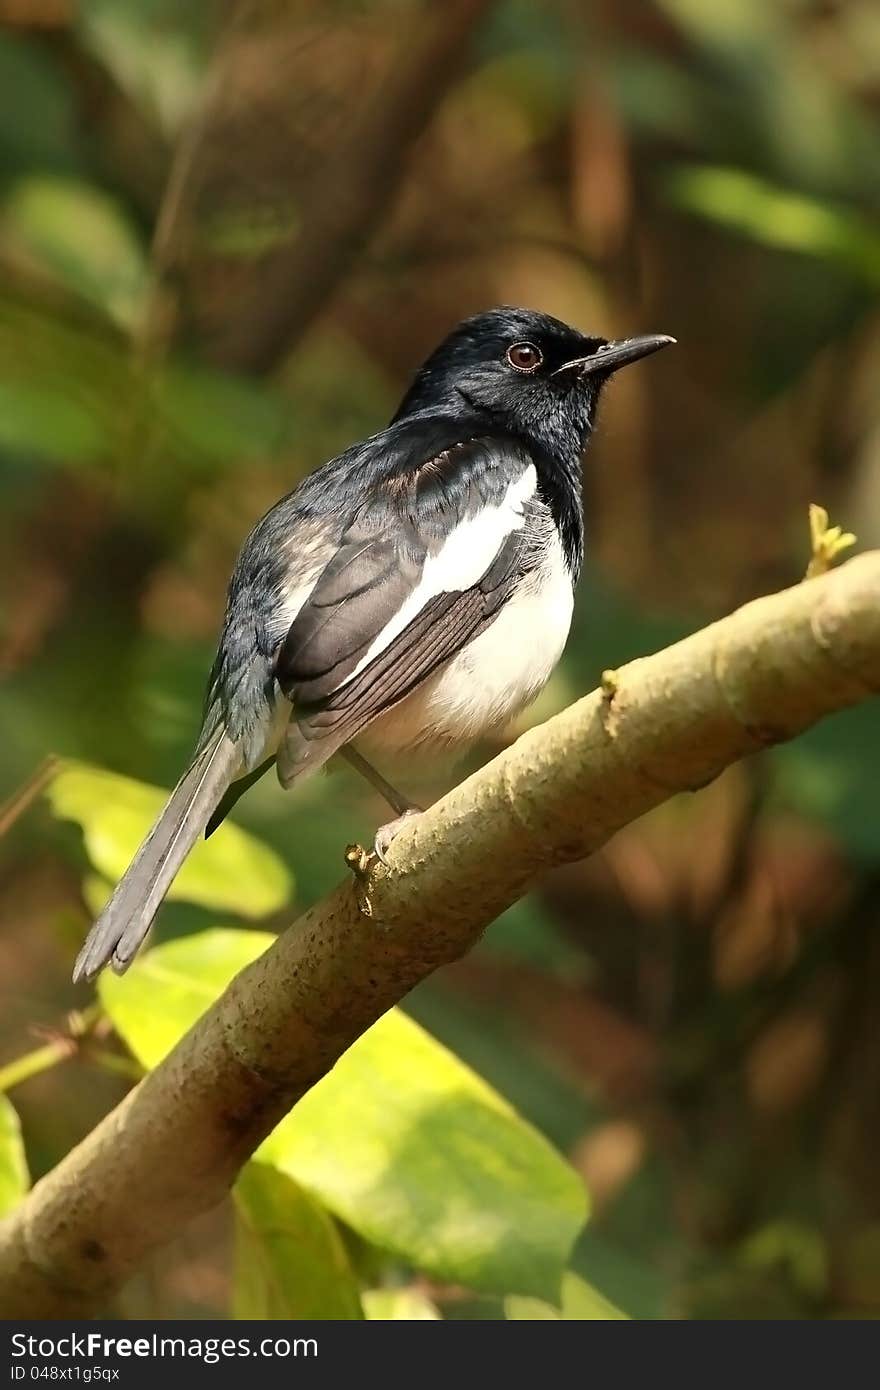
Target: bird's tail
(129, 914)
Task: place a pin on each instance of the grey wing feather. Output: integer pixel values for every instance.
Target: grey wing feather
(129, 914)
(367, 580)
(445, 624)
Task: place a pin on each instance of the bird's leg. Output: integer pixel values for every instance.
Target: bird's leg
(396, 800)
(405, 808)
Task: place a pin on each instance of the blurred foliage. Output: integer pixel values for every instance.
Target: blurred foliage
(780, 218)
(192, 316)
(579, 1303)
(398, 1305)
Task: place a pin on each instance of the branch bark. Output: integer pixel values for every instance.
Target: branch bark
(661, 725)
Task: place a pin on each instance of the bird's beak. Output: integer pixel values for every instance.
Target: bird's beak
(613, 355)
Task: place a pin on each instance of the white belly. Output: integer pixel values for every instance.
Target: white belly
(496, 675)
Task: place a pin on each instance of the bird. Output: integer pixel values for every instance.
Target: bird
(413, 593)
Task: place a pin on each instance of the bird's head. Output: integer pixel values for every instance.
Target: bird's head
(530, 373)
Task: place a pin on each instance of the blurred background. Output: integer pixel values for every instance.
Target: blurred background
(228, 234)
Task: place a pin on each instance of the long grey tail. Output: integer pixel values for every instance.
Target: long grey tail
(129, 914)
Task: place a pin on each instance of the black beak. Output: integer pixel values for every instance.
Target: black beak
(607, 359)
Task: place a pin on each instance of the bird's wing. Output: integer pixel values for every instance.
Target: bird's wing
(425, 566)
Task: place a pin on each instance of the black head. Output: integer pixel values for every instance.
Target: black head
(530, 373)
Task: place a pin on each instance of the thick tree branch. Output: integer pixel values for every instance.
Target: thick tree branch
(663, 724)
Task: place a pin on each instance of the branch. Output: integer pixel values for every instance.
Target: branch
(663, 724)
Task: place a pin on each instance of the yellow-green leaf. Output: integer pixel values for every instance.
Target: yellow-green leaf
(168, 988)
(290, 1260)
(399, 1305)
(416, 1153)
(580, 1303)
(231, 872)
(401, 1140)
(14, 1178)
(82, 235)
(782, 217)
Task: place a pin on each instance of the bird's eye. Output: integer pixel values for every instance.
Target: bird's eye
(525, 357)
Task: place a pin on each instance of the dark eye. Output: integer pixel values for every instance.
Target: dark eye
(525, 357)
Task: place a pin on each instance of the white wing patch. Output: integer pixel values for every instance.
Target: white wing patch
(466, 555)
(493, 677)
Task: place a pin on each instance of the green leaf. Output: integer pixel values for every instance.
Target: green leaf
(795, 1247)
(14, 1178)
(399, 1305)
(402, 1141)
(155, 50)
(43, 418)
(725, 21)
(779, 217)
(168, 988)
(419, 1156)
(81, 234)
(290, 1260)
(580, 1303)
(253, 232)
(231, 872)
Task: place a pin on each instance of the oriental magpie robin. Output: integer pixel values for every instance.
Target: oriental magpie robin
(415, 591)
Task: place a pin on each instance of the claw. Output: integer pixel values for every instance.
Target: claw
(386, 833)
(362, 862)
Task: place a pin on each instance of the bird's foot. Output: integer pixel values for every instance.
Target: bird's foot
(386, 833)
(363, 862)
